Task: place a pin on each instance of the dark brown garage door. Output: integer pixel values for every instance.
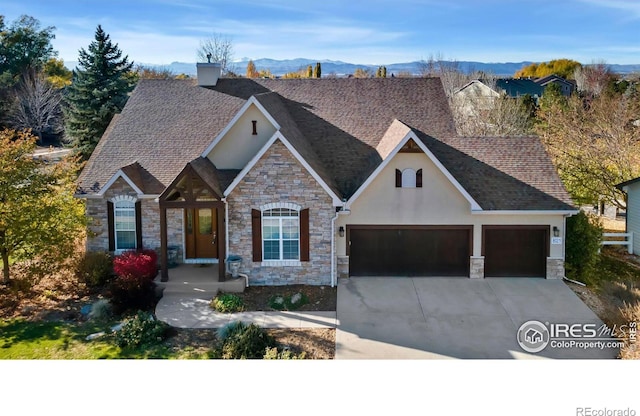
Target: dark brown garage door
(409, 251)
(515, 251)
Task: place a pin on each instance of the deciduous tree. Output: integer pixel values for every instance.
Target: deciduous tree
(36, 106)
(40, 219)
(217, 48)
(252, 72)
(99, 90)
(594, 143)
(562, 67)
(317, 70)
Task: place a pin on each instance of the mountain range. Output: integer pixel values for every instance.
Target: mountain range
(281, 67)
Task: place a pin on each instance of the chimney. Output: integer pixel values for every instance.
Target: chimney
(208, 74)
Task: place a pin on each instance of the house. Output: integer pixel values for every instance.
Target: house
(519, 87)
(474, 98)
(310, 179)
(632, 188)
(566, 87)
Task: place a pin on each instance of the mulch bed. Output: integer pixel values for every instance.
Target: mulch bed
(321, 298)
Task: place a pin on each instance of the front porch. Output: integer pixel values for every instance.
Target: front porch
(198, 280)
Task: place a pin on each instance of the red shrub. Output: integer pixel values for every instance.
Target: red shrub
(136, 265)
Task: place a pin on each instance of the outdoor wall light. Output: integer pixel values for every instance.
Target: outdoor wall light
(556, 231)
(341, 231)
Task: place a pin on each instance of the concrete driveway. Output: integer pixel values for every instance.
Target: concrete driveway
(423, 318)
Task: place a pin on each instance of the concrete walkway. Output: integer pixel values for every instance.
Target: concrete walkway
(189, 311)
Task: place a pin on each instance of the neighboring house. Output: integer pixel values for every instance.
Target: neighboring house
(566, 87)
(311, 179)
(519, 87)
(474, 98)
(632, 188)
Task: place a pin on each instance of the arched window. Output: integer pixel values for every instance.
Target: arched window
(281, 234)
(408, 178)
(124, 214)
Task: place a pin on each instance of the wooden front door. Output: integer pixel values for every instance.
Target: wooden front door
(201, 236)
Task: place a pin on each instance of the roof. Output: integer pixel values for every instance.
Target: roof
(622, 185)
(516, 87)
(343, 129)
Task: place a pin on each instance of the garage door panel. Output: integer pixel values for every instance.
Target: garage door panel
(409, 252)
(515, 252)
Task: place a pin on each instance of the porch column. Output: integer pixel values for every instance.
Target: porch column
(164, 270)
(222, 238)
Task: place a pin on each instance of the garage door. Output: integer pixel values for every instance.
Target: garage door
(515, 251)
(409, 251)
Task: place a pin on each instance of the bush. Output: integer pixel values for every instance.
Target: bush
(227, 303)
(94, 268)
(134, 288)
(142, 264)
(230, 329)
(584, 234)
(288, 303)
(142, 330)
(100, 310)
(246, 341)
(284, 354)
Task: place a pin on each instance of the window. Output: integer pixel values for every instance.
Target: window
(124, 222)
(281, 234)
(125, 225)
(408, 178)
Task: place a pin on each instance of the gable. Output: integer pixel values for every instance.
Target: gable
(437, 201)
(238, 144)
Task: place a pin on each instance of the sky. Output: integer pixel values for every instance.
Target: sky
(373, 32)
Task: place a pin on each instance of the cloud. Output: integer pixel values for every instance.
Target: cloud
(631, 8)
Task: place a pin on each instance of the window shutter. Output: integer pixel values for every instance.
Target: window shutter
(256, 234)
(139, 225)
(111, 226)
(304, 235)
(419, 178)
(398, 178)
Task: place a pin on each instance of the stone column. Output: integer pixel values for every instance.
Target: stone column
(476, 271)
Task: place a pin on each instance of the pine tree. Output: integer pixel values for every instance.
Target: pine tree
(317, 71)
(99, 90)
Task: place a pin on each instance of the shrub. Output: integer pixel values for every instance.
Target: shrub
(134, 288)
(143, 264)
(142, 330)
(288, 303)
(227, 303)
(283, 354)
(584, 234)
(100, 310)
(230, 329)
(94, 268)
(248, 342)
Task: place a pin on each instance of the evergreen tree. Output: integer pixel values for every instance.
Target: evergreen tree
(99, 90)
(309, 71)
(317, 71)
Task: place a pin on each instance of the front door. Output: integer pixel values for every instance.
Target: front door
(201, 237)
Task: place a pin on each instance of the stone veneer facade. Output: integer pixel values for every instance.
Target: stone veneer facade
(98, 227)
(278, 177)
(555, 268)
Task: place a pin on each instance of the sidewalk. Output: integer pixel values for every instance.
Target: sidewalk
(187, 311)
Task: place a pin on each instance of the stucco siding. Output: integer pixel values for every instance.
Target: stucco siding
(239, 145)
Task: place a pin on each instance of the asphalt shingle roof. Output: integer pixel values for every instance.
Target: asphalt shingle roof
(341, 127)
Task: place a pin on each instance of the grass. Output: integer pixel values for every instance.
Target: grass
(617, 284)
(28, 340)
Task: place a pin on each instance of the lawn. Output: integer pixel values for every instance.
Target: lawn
(57, 340)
